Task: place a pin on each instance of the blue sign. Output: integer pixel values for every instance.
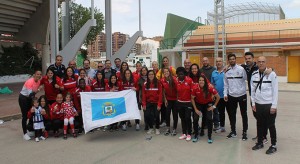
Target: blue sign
(107, 108)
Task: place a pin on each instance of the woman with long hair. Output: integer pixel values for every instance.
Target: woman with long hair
(113, 85)
(69, 81)
(46, 114)
(152, 101)
(170, 96)
(52, 85)
(140, 83)
(124, 66)
(83, 75)
(99, 82)
(204, 104)
(129, 82)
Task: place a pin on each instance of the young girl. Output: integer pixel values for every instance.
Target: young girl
(203, 103)
(152, 101)
(83, 75)
(69, 113)
(56, 116)
(140, 84)
(46, 114)
(38, 123)
(69, 81)
(119, 74)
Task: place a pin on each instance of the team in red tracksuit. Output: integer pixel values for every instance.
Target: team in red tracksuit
(77, 102)
(184, 106)
(56, 115)
(152, 101)
(51, 87)
(170, 96)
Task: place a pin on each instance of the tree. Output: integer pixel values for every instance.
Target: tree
(79, 16)
(19, 60)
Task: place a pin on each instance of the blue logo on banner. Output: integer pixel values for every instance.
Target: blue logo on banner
(107, 108)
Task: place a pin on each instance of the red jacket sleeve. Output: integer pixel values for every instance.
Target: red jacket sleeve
(107, 87)
(29, 114)
(144, 96)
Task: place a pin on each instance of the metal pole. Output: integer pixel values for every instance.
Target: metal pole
(216, 23)
(92, 8)
(140, 20)
(108, 29)
(53, 29)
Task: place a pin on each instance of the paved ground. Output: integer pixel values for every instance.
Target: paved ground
(131, 146)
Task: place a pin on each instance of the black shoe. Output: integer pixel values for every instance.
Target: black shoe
(231, 135)
(202, 133)
(65, 136)
(258, 146)
(80, 131)
(167, 132)
(272, 149)
(244, 138)
(129, 124)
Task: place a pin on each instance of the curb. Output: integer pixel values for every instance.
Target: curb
(11, 117)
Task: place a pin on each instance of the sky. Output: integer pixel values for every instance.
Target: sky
(154, 12)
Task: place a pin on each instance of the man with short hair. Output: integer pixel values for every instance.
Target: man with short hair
(264, 97)
(117, 62)
(90, 72)
(155, 67)
(100, 66)
(235, 93)
(58, 67)
(206, 68)
(187, 64)
(108, 71)
(218, 82)
(72, 64)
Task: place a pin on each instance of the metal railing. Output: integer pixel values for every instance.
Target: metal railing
(253, 37)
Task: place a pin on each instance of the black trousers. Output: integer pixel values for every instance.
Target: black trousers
(152, 115)
(57, 124)
(265, 122)
(208, 117)
(25, 105)
(163, 113)
(38, 133)
(221, 109)
(171, 108)
(185, 110)
(232, 105)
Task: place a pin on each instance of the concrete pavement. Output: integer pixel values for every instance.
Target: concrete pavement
(131, 146)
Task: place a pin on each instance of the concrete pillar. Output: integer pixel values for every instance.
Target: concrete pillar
(45, 57)
(108, 32)
(183, 57)
(54, 44)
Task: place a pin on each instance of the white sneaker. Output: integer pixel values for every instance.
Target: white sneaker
(157, 132)
(163, 124)
(137, 127)
(26, 137)
(37, 139)
(188, 138)
(150, 131)
(124, 127)
(42, 138)
(182, 137)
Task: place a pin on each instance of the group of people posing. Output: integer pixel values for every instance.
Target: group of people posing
(189, 92)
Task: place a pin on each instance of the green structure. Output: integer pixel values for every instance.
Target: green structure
(177, 29)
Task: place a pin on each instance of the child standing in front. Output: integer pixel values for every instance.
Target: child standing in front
(69, 113)
(38, 123)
